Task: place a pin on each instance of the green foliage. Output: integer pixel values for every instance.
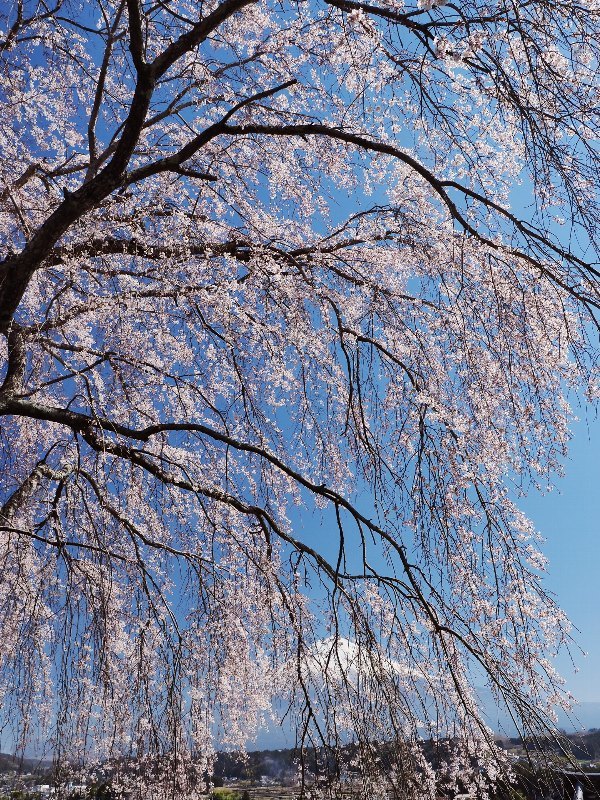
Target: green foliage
(224, 793)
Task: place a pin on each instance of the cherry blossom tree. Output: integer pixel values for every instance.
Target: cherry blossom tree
(282, 342)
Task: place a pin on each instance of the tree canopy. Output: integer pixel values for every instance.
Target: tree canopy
(294, 297)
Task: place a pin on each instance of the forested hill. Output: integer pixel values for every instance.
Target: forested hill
(279, 765)
(586, 745)
(274, 764)
(10, 763)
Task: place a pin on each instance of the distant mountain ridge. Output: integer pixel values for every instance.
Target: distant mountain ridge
(584, 716)
(281, 765)
(10, 763)
(582, 728)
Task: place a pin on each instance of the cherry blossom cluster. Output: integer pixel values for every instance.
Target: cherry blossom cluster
(288, 324)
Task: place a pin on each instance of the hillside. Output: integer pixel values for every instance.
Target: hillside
(10, 763)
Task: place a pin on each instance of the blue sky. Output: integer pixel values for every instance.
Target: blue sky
(569, 519)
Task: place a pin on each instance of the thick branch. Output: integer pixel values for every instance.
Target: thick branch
(439, 187)
(17, 270)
